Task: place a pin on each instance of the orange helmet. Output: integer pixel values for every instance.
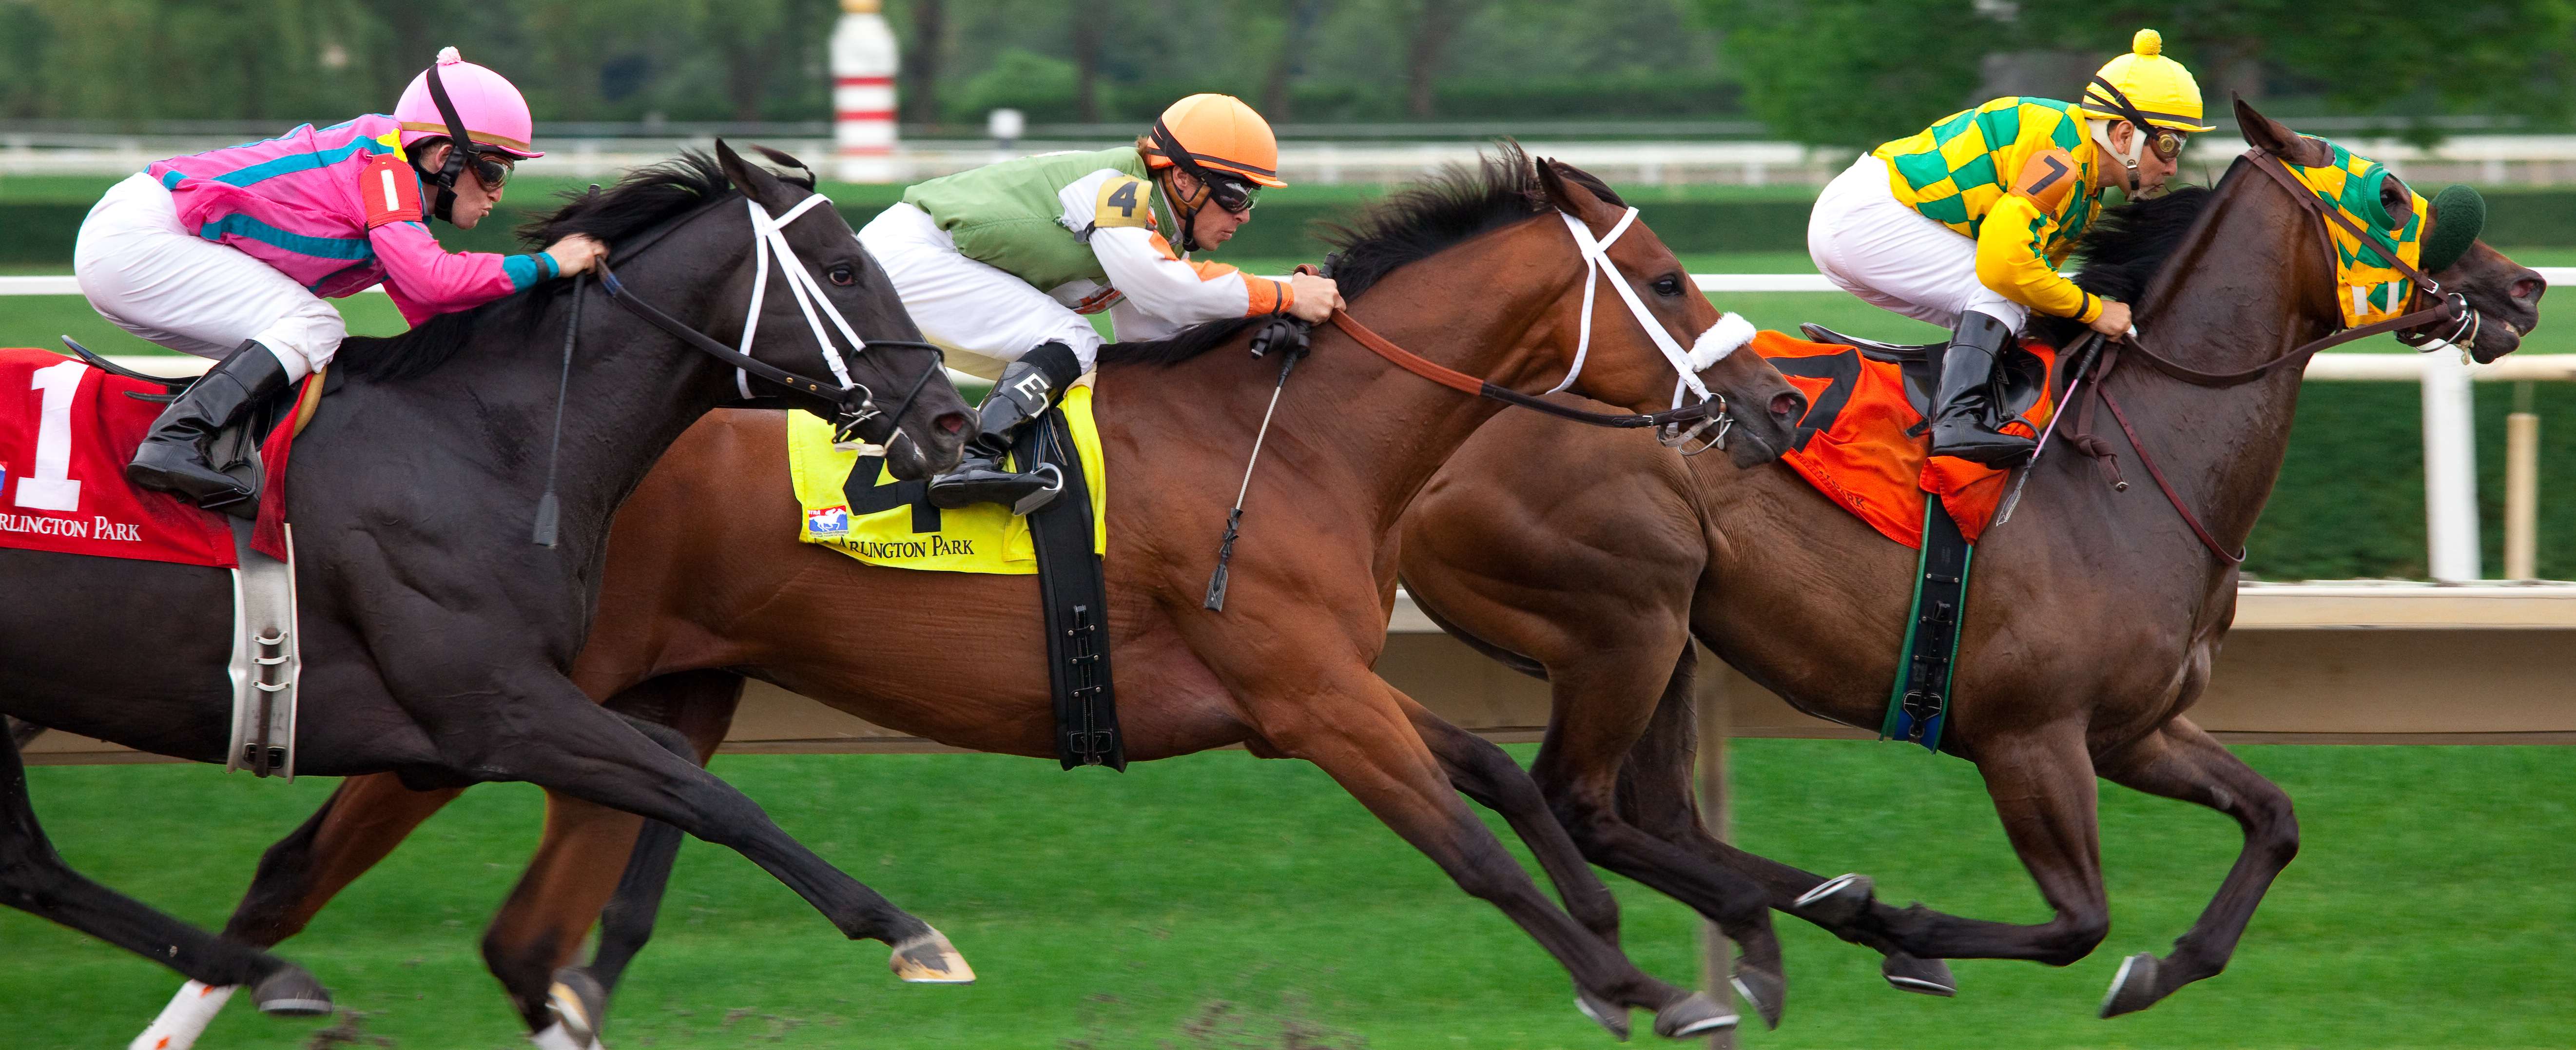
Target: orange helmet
(1218, 133)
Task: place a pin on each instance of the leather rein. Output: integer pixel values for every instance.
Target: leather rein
(1710, 410)
(2452, 307)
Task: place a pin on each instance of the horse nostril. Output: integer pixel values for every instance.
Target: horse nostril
(950, 422)
(2529, 288)
(1789, 406)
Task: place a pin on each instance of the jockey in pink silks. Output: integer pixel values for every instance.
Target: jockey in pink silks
(229, 254)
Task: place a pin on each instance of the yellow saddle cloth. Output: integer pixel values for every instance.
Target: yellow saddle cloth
(896, 525)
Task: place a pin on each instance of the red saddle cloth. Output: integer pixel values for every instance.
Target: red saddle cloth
(1854, 447)
(66, 433)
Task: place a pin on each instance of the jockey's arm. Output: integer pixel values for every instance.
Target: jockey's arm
(1117, 210)
(427, 280)
(2010, 245)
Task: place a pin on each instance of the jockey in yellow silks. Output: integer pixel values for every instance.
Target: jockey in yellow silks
(1964, 224)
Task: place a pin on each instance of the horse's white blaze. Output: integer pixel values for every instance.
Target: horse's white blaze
(185, 1018)
(50, 486)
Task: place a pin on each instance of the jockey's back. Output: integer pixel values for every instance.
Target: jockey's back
(1011, 215)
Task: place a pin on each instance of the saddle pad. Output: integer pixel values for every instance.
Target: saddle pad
(1854, 445)
(897, 526)
(66, 432)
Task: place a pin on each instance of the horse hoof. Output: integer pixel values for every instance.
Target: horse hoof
(578, 1003)
(2133, 988)
(291, 992)
(1766, 993)
(1610, 1017)
(1837, 902)
(930, 959)
(1691, 1015)
(1922, 976)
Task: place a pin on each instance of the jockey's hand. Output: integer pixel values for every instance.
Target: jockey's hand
(2114, 319)
(574, 254)
(1316, 297)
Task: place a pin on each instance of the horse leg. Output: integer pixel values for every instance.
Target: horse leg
(2180, 761)
(568, 882)
(1601, 710)
(1359, 735)
(1657, 796)
(2043, 789)
(356, 827)
(34, 879)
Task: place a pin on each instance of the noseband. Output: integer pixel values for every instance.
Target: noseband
(851, 403)
(1679, 424)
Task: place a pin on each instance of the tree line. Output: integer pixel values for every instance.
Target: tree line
(1843, 73)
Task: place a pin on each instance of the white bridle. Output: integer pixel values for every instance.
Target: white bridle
(767, 233)
(1729, 334)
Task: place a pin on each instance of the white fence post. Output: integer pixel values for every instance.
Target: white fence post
(2450, 470)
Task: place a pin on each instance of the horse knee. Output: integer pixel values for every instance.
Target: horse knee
(2273, 827)
(2074, 937)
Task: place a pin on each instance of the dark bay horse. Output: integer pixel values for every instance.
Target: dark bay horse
(436, 634)
(2093, 618)
(1476, 270)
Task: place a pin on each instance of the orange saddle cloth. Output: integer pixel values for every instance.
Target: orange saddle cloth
(1858, 443)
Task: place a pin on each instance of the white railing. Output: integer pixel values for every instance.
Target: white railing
(2450, 449)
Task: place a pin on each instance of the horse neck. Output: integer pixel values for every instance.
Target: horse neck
(489, 413)
(2242, 290)
(1477, 308)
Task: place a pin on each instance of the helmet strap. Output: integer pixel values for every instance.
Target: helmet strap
(2128, 158)
(461, 151)
(1187, 212)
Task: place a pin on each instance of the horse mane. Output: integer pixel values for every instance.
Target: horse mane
(1416, 221)
(646, 197)
(2126, 246)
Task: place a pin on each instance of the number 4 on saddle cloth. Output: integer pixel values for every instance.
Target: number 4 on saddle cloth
(1863, 444)
(850, 505)
(68, 427)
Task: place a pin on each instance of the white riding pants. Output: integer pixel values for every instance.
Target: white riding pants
(158, 281)
(1873, 246)
(982, 315)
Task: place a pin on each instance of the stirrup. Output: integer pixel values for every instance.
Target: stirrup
(1044, 496)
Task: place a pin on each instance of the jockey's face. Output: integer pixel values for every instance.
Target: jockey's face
(1212, 225)
(473, 199)
(2153, 170)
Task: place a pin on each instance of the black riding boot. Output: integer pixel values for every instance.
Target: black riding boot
(1966, 417)
(172, 457)
(1025, 391)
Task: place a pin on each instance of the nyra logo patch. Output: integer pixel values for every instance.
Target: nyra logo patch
(828, 521)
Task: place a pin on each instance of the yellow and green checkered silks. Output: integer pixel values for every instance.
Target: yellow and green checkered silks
(1954, 171)
(2371, 289)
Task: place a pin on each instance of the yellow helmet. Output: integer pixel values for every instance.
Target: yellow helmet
(2145, 84)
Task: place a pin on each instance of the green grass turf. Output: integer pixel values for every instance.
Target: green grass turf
(1219, 901)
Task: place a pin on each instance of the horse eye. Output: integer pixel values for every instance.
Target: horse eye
(1668, 285)
(842, 275)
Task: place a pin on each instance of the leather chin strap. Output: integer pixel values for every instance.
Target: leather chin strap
(462, 153)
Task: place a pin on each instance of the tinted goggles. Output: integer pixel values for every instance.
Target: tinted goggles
(2166, 143)
(493, 172)
(1233, 195)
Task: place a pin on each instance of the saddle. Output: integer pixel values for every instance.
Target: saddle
(2020, 376)
(234, 451)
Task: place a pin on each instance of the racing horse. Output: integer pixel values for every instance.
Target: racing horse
(436, 635)
(1475, 269)
(2092, 621)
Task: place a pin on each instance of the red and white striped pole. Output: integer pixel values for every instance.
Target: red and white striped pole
(863, 66)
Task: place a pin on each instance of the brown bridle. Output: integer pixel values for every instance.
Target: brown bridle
(1712, 410)
(2451, 307)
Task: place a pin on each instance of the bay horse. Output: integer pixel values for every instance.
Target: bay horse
(436, 635)
(1475, 269)
(2093, 616)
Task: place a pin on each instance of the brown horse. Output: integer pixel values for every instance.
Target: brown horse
(2092, 621)
(1476, 270)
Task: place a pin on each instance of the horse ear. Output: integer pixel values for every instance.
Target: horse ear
(1568, 196)
(786, 160)
(753, 180)
(2273, 137)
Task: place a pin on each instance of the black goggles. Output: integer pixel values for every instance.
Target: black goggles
(1234, 195)
(492, 172)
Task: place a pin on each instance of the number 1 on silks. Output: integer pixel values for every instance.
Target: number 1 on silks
(49, 484)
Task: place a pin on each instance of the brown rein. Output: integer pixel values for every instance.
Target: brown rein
(2453, 308)
(1713, 409)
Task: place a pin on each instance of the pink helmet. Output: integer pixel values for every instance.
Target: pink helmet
(493, 112)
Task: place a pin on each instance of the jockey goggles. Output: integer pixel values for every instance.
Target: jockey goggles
(2164, 142)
